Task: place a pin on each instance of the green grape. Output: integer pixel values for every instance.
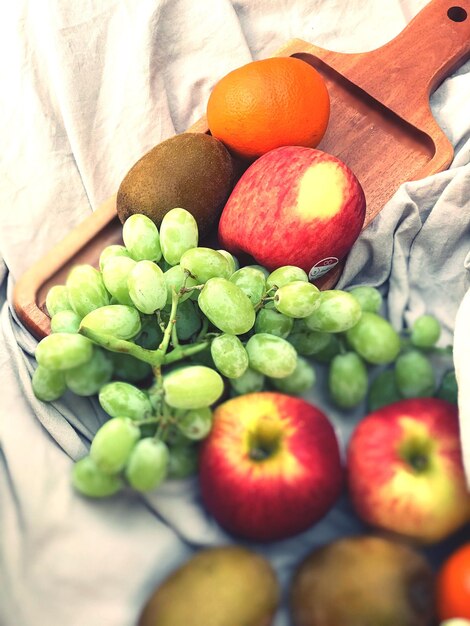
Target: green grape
(188, 320)
(369, 298)
(347, 380)
(65, 322)
(338, 311)
(375, 339)
(151, 335)
(383, 390)
(116, 273)
(425, 331)
(227, 306)
(307, 342)
(57, 300)
(251, 281)
(141, 238)
(271, 355)
(176, 278)
(232, 261)
(285, 275)
(192, 387)
(110, 252)
(90, 481)
(122, 399)
(128, 368)
(62, 351)
(48, 385)
(261, 268)
(329, 350)
(448, 389)
(113, 444)
(183, 461)
(86, 289)
(118, 320)
(205, 263)
(249, 382)
(195, 424)
(229, 355)
(87, 379)
(178, 233)
(273, 322)
(414, 375)
(298, 299)
(301, 380)
(147, 465)
(147, 287)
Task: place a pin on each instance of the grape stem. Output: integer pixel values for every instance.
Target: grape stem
(156, 390)
(264, 299)
(148, 420)
(205, 327)
(174, 337)
(163, 347)
(181, 352)
(113, 344)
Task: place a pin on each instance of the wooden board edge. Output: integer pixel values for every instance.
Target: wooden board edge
(25, 289)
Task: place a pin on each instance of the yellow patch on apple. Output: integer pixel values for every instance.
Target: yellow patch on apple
(264, 441)
(321, 191)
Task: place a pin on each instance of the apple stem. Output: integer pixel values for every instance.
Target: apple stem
(419, 462)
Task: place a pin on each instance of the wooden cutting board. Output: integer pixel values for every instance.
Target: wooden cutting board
(381, 126)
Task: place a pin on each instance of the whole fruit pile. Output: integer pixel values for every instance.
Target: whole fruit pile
(159, 332)
(164, 329)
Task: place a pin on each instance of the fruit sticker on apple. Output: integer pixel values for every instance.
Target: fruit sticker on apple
(270, 467)
(294, 206)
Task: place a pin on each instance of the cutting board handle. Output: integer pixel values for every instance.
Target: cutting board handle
(405, 71)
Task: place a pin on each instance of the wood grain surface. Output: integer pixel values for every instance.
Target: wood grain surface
(381, 126)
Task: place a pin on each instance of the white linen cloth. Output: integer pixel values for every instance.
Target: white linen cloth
(87, 88)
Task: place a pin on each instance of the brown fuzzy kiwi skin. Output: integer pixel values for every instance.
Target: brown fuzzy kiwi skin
(219, 586)
(363, 581)
(193, 171)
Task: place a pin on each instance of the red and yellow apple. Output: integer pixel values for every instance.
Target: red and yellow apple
(405, 471)
(270, 467)
(294, 206)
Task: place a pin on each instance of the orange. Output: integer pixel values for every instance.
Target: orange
(453, 585)
(280, 101)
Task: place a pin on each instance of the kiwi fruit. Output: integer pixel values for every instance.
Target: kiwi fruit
(363, 581)
(193, 171)
(222, 586)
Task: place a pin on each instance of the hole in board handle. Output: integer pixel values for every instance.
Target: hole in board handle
(457, 14)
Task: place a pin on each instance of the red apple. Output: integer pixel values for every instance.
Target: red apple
(294, 206)
(270, 467)
(405, 470)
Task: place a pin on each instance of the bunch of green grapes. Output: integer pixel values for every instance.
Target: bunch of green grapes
(165, 329)
(412, 374)
(160, 332)
(369, 343)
